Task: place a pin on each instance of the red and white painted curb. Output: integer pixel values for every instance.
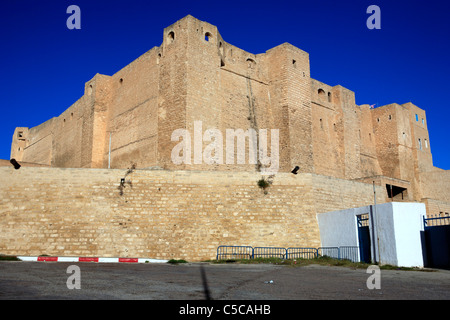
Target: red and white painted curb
(91, 259)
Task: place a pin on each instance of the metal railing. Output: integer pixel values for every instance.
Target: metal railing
(247, 252)
(269, 252)
(434, 221)
(349, 253)
(332, 252)
(301, 253)
(234, 252)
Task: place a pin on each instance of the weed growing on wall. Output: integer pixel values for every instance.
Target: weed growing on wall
(265, 183)
(123, 181)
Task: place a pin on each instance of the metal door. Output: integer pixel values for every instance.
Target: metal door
(437, 242)
(364, 238)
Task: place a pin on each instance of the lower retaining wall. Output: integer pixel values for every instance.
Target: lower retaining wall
(163, 214)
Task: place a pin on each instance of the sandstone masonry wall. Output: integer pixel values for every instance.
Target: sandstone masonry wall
(163, 214)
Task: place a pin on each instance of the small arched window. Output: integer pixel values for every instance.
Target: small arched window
(170, 37)
(251, 63)
(208, 36)
(321, 94)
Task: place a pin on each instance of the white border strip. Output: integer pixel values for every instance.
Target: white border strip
(108, 260)
(28, 258)
(100, 260)
(67, 259)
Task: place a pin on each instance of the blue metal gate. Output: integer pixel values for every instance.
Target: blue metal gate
(437, 242)
(364, 238)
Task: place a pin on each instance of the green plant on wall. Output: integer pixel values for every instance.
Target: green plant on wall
(123, 181)
(265, 183)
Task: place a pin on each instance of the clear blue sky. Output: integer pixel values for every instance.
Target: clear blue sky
(44, 65)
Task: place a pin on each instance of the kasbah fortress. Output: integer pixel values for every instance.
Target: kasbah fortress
(99, 179)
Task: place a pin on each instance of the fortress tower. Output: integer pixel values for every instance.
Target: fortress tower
(194, 94)
(196, 76)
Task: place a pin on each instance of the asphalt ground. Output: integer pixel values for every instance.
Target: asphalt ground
(201, 281)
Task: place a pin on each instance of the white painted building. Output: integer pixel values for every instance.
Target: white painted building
(394, 231)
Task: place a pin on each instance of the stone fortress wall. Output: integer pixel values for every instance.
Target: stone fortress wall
(341, 149)
(164, 214)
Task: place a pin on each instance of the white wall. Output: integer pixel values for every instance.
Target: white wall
(394, 231)
(338, 228)
(408, 222)
(384, 249)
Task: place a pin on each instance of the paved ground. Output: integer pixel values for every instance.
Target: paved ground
(47, 280)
